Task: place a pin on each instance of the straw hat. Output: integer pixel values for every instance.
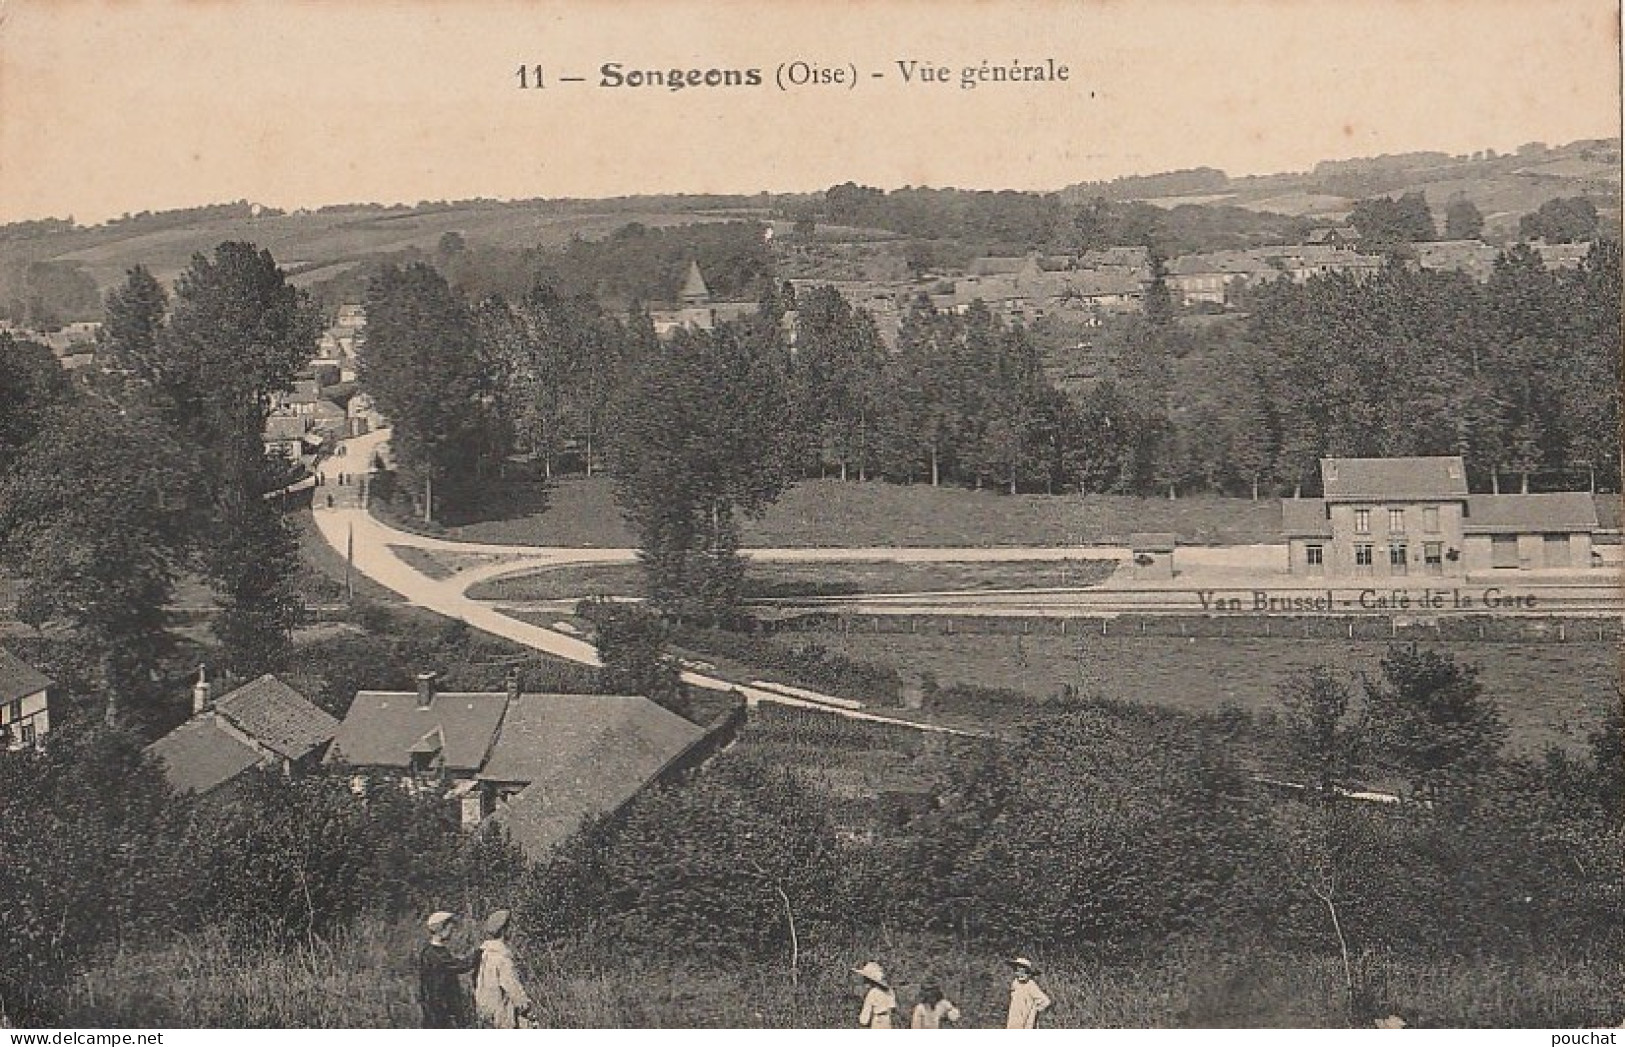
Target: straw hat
(498, 920)
(1023, 963)
(874, 972)
(438, 920)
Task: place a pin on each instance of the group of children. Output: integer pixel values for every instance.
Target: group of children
(499, 999)
(1027, 1000)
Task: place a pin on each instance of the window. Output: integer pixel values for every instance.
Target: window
(1433, 557)
(28, 734)
(1397, 557)
(1362, 555)
(14, 711)
(1362, 521)
(1396, 521)
(1314, 555)
(1430, 519)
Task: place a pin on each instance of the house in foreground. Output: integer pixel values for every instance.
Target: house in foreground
(1396, 517)
(262, 724)
(539, 764)
(25, 703)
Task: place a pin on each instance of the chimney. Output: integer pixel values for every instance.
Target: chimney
(202, 691)
(426, 683)
(512, 683)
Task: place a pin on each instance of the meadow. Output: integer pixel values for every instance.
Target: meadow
(580, 513)
(794, 580)
(1549, 693)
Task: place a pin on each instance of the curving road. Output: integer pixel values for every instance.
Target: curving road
(351, 530)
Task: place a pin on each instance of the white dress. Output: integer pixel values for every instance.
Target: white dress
(498, 996)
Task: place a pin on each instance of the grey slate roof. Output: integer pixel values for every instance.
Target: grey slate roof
(583, 756)
(382, 727)
(1563, 512)
(1377, 479)
(1305, 518)
(201, 755)
(278, 717)
(18, 679)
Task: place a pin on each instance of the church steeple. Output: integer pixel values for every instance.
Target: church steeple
(694, 290)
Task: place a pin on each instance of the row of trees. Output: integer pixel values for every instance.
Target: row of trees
(1517, 375)
(156, 467)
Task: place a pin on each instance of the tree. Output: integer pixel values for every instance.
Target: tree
(1386, 222)
(1463, 220)
(94, 518)
(31, 382)
(631, 642)
(423, 365)
(237, 334)
(1563, 220)
(1431, 719)
(133, 326)
(699, 438)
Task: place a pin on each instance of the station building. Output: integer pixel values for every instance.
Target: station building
(1398, 517)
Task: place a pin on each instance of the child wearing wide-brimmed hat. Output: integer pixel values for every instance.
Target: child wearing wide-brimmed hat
(879, 1003)
(1027, 999)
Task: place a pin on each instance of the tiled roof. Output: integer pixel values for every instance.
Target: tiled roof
(583, 756)
(1154, 541)
(382, 727)
(1305, 518)
(18, 679)
(1530, 513)
(200, 755)
(278, 717)
(286, 427)
(1346, 479)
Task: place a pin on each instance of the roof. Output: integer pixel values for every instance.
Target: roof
(583, 756)
(1154, 541)
(18, 679)
(1305, 518)
(278, 717)
(201, 755)
(1529, 513)
(286, 427)
(382, 727)
(694, 284)
(1373, 479)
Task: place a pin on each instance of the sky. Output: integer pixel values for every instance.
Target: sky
(113, 106)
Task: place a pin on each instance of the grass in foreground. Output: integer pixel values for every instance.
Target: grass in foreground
(366, 979)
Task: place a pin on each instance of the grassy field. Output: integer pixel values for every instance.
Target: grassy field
(365, 979)
(1550, 693)
(774, 581)
(581, 513)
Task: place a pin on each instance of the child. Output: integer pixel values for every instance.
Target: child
(1027, 1000)
(880, 1003)
(933, 1008)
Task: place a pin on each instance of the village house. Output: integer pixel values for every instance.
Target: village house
(25, 703)
(538, 764)
(262, 724)
(1473, 257)
(562, 759)
(1395, 517)
(696, 311)
(1214, 278)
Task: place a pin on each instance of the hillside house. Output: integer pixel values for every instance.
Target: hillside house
(1395, 517)
(1213, 278)
(25, 703)
(563, 759)
(538, 764)
(1473, 257)
(262, 724)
